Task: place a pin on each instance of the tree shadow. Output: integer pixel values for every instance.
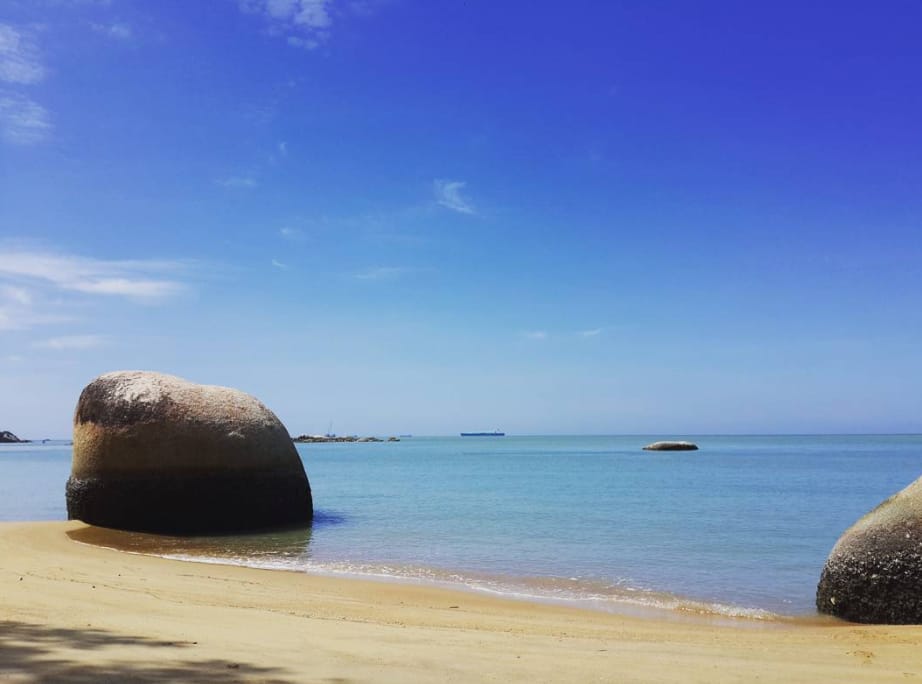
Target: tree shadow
(40, 653)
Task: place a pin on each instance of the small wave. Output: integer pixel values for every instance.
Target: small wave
(288, 550)
(618, 597)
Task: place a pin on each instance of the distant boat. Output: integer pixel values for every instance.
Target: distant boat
(495, 433)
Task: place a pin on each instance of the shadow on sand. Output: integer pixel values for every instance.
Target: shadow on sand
(40, 653)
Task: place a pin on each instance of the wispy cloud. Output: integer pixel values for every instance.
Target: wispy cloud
(19, 309)
(117, 30)
(22, 120)
(535, 334)
(138, 280)
(20, 61)
(594, 332)
(304, 23)
(45, 288)
(237, 182)
(72, 342)
(16, 295)
(291, 233)
(448, 194)
(381, 273)
(283, 148)
(279, 265)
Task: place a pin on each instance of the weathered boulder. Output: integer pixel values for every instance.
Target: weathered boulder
(874, 572)
(7, 437)
(154, 452)
(671, 446)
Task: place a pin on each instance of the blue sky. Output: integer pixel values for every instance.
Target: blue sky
(427, 217)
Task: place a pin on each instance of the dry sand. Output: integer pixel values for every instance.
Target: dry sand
(73, 612)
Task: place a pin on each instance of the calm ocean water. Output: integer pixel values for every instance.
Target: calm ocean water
(741, 527)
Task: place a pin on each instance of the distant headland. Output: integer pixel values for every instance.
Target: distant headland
(7, 437)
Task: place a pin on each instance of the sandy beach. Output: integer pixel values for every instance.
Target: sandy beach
(74, 612)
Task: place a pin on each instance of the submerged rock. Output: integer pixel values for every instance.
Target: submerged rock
(671, 446)
(874, 572)
(157, 453)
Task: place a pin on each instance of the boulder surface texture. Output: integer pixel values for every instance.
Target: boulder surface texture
(671, 446)
(157, 453)
(874, 572)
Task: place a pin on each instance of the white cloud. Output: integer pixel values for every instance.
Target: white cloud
(15, 308)
(304, 23)
(291, 233)
(535, 334)
(47, 288)
(117, 30)
(136, 280)
(71, 342)
(306, 43)
(381, 273)
(22, 120)
(279, 265)
(19, 313)
(12, 318)
(137, 289)
(20, 62)
(595, 332)
(448, 194)
(283, 148)
(237, 182)
(15, 295)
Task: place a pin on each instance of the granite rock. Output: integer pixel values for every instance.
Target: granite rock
(874, 572)
(155, 452)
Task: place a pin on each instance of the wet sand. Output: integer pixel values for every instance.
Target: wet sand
(75, 612)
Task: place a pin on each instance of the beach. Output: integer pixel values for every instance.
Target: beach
(76, 612)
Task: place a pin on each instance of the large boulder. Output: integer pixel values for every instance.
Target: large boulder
(874, 572)
(7, 437)
(157, 453)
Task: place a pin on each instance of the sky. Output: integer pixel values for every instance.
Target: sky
(400, 216)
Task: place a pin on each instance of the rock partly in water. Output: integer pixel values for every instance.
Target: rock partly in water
(671, 446)
(7, 437)
(874, 572)
(157, 453)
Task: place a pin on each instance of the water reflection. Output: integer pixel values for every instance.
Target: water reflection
(281, 545)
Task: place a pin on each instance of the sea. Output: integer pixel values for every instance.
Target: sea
(739, 529)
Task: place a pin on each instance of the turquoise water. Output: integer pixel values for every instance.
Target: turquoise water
(741, 527)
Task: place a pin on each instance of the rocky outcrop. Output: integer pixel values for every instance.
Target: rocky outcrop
(327, 439)
(671, 446)
(9, 438)
(154, 452)
(874, 572)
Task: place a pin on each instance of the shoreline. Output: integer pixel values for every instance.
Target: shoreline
(641, 603)
(73, 611)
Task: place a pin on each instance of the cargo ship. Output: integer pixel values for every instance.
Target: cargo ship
(495, 433)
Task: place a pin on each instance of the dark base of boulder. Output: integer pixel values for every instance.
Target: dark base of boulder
(873, 591)
(201, 504)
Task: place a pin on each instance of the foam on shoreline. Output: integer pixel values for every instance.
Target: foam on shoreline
(620, 598)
